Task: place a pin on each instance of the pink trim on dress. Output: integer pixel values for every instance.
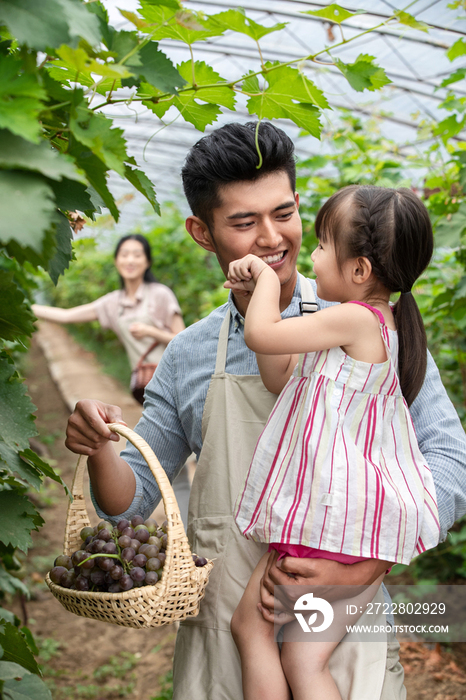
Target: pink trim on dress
(371, 308)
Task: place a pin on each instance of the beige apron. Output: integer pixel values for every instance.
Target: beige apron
(135, 347)
(207, 664)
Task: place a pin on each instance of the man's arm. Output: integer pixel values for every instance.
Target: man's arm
(442, 441)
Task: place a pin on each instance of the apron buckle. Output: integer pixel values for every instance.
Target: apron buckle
(308, 307)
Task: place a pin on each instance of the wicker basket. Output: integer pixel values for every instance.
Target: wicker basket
(178, 593)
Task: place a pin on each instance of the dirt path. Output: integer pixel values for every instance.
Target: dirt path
(90, 659)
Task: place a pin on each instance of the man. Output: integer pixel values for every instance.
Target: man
(207, 398)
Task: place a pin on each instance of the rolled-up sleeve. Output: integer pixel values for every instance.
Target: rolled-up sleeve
(442, 441)
(161, 428)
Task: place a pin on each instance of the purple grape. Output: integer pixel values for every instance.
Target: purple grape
(105, 563)
(63, 560)
(143, 548)
(78, 557)
(108, 579)
(89, 564)
(114, 587)
(126, 582)
(155, 541)
(135, 544)
(162, 556)
(138, 574)
(105, 535)
(110, 548)
(97, 546)
(142, 535)
(56, 573)
(122, 524)
(124, 541)
(165, 525)
(151, 578)
(81, 571)
(67, 579)
(159, 532)
(151, 551)
(139, 560)
(128, 531)
(200, 561)
(128, 554)
(98, 577)
(87, 540)
(117, 572)
(164, 539)
(82, 583)
(137, 520)
(153, 564)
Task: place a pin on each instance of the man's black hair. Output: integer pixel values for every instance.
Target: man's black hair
(229, 154)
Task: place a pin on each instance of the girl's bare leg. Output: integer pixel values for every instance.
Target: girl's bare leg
(262, 672)
(305, 664)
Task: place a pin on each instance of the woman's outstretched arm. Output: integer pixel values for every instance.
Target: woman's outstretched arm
(77, 314)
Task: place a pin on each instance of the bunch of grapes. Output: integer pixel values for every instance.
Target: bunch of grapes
(116, 559)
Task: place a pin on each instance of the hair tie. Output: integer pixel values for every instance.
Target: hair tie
(403, 293)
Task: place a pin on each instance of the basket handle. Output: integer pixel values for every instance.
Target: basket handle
(166, 490)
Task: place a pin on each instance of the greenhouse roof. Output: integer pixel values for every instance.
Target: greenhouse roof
(414, 60)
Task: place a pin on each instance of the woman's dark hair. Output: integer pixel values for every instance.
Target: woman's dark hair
(392, 229)
(148, 274)
(230, 154)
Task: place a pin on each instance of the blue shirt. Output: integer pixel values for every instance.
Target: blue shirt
(174, 403)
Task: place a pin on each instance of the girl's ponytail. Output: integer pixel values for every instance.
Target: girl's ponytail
(412, 341)
(392, 229)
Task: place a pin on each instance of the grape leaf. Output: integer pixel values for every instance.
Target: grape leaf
(96, 173)
(146, 91)
(72, 196)
(26, 209)
(163, 25)
(15, 153)
(457, 49)
(32, 458)
(205, 75)
(10, 584)
(16, 419)
(141, 182)
(79, 62)
(363, 74)
(134, 19)
(15, 317)
(460, 74)
(300, 87)
(96, 132)
(449, 127)
(16, 649)
(237, 21)
(11, 461)
(17, 518)
(21, 99)
(8, 669)
(64, 251)
(156, 68)
(200, 115)
(410, 21)
(30, 22)
(334, 13)
(449, 233)
(277, 101)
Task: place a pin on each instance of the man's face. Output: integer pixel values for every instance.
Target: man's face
(261, 218)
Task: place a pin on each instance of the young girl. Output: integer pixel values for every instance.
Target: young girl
(337, 472)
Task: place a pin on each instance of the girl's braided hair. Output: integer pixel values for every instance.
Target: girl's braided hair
(392, 229)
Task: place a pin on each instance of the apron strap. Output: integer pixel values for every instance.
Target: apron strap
(222, 346)
(308, 304)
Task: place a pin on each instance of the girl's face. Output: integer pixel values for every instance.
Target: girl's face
(332, 280)
(131, 261)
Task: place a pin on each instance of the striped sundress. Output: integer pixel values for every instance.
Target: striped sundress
(337, 466)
